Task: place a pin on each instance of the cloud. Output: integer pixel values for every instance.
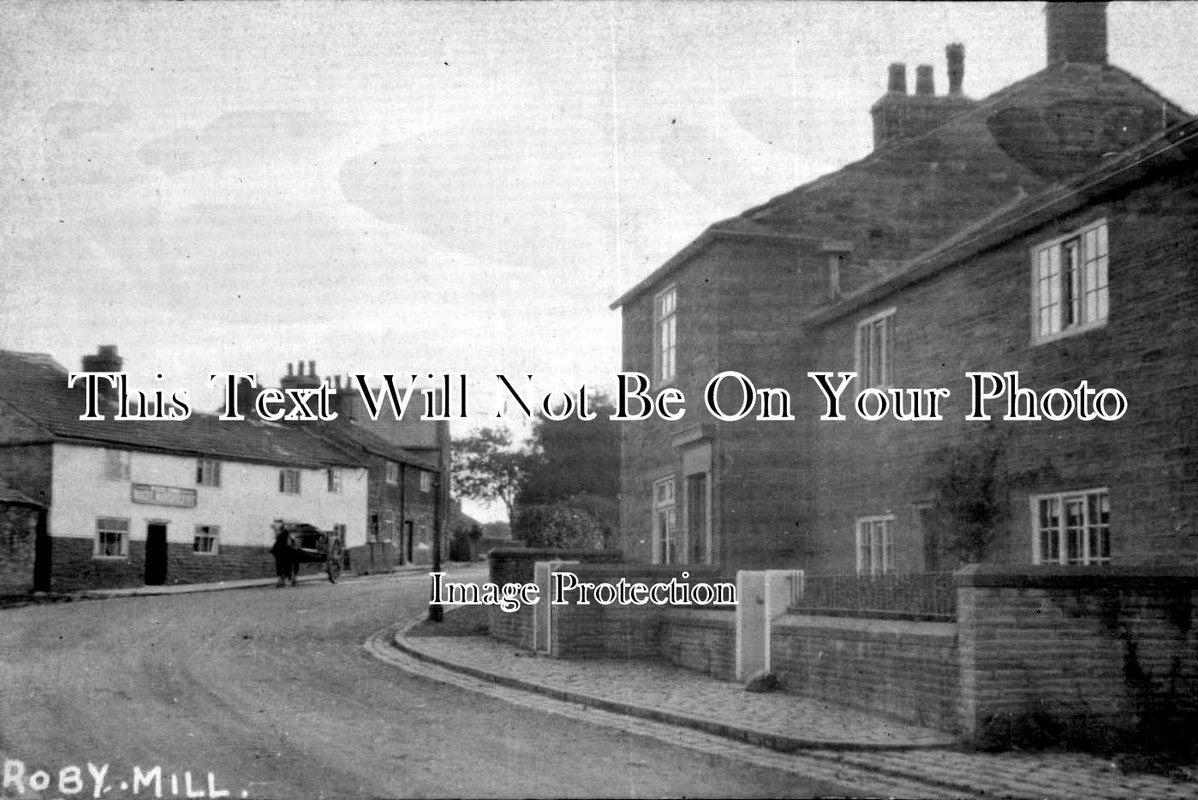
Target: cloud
(72, 119)
(238, 138)
(491, 190)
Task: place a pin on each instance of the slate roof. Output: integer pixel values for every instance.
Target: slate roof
(900, 201)
(34, 386)
(1177, 146)
(353, 437)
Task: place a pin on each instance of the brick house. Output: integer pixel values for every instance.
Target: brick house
(939, 253)
(401, 493)
(131, 502)
(405, 459)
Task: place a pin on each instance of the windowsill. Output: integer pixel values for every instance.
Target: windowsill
(98, 557)
(202, 554)
(1071, 331)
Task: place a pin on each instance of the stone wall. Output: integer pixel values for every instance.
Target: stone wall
(1087, 652)
(976, 317)
(18, 546)
(903, 669)
(517, 565)
(630, 631)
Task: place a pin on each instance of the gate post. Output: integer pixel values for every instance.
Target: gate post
(761, 596)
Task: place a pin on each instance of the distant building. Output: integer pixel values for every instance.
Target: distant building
(1047, 228)
(152, 502)
(407, 460)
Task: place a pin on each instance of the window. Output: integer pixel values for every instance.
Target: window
(289, 481)
(339, 532)
(665, 333)
(392, 473)
(1069, 283)
(426, 481)
(334, 481)
(665, 545)
(208, 472)
(116, 465)
(1072, 528)
(112, 537)
(388, 527)
(875, 550)
(875, 348)
(207, 540)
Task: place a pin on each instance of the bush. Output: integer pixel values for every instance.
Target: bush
(559, 525)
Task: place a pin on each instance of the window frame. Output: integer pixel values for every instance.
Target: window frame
(1072, 291)
(123, 541)
(334, 480)
(212, 473)
(118, 464)
(206, 531)
(284, 474)
(426, 481)
(665, 542)
(1063, 529)
(392, 476)
(886, 377)
(665, 356)
(885, 547)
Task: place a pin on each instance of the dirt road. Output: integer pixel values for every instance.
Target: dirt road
(268, 693)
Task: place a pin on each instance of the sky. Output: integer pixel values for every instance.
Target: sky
(445, 187)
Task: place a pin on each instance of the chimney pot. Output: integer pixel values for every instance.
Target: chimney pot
(897, 83)
(955, 54)
(925, 85)
(1076, 33)
(312, 368)
(289, 372)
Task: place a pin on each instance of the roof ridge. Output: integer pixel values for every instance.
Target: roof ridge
(1001, 95)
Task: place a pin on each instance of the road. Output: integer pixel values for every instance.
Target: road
(268, 693)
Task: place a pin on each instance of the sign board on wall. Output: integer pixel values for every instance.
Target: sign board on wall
(152, 495)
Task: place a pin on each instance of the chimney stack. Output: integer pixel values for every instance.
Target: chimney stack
(105, 360)
(1077, 33)
(925, 85)
(897, 83)
(955, 55)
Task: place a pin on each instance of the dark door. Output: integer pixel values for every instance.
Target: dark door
(155, 554)
(406, 544)
(41, 555)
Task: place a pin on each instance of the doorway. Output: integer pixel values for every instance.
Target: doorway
(155, 554)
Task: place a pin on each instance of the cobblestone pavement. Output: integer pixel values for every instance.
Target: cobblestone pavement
(875, 756)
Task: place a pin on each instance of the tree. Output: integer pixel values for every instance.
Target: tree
(487, 467)
(558, 525)
(575, 462)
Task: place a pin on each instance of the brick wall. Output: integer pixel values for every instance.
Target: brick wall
(704, 641)
(518, 566)
(27, 468)
(907, 670)
(18, 538)
(739, 301)
(1091, 651)
(75, 569)
(627, 631)
(977, 317)
(372, 557)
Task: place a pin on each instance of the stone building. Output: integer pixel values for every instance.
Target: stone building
(939, 253)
